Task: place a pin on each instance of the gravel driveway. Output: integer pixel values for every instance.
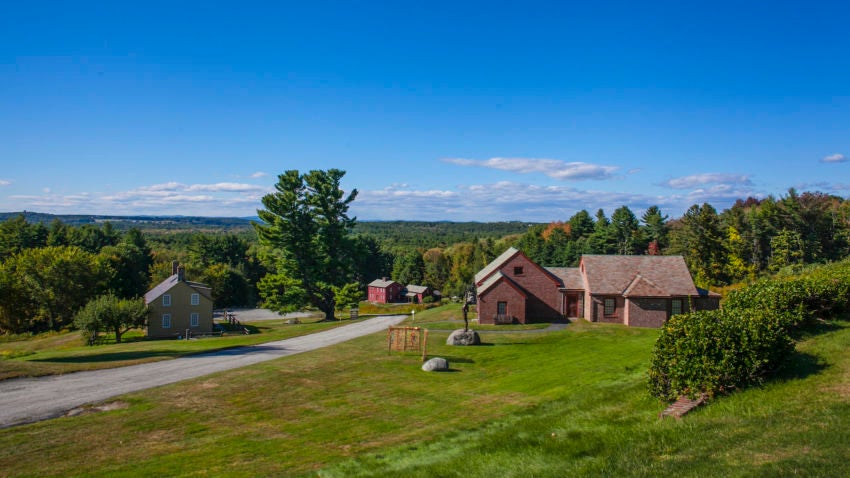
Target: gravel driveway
(29, 400)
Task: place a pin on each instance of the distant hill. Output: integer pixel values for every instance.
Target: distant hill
(141, 222)
(423, 234)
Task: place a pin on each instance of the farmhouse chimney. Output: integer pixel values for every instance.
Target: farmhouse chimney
(174, 266)
(181, 273)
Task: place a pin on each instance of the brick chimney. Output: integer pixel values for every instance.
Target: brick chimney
(181, 273)
(174, 266)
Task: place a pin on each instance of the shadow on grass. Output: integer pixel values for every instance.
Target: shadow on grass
(457, 359)
(819, 327)
(112, 357)
(141, 355)
(799, 366)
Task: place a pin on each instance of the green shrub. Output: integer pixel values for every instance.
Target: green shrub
(717, 351)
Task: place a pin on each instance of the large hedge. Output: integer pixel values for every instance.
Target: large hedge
(718, 351)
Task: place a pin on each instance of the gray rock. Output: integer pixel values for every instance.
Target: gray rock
(461, 337)
(436, 364)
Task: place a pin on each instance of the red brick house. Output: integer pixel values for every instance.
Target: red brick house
(642, 291)
(384, 291)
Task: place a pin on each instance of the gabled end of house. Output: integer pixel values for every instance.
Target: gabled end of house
(178, 306)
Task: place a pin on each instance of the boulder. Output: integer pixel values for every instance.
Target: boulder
(436, 364)
(463, 337)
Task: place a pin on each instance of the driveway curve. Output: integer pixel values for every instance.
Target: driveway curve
(28, 400)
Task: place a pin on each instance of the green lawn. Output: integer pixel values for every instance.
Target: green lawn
(568, 403)
(59, 353)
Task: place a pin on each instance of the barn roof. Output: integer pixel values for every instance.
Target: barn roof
(383, 284)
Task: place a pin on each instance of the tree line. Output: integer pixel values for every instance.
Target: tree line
(741, 243)
(307, 252)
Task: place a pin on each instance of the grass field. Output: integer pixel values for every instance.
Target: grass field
(568, 403)
(58, 353)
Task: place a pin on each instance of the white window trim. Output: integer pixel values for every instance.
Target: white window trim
(196, 299)
(194, 319)
(166, 300)
(166, 321)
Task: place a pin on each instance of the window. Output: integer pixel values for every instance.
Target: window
(196, 299)
(502, 308)
(166, 300)
(194, 319)
(518, 271)
(676, 307)
(610, 306)
(166, 321)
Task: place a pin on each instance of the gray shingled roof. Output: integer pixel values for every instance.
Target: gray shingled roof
(570, 277)
(170, 282)
(495, 264)
(613, 275)
(495, 279)
(417, 289)
(382, 283)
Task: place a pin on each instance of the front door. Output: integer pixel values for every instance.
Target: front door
(572, 305)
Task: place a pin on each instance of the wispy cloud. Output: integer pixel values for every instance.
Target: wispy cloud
(504, 200)
(554, 168)
(699, 180)
(259, 174)
(834, 158)
(164, 198)
(5, 182)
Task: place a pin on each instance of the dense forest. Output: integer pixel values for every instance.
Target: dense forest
(49, 270)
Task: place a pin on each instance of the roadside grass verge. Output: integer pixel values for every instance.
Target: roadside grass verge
(567, 403)
(298, 414)
(59, 353)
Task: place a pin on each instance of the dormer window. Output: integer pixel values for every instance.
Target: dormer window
(518, 271)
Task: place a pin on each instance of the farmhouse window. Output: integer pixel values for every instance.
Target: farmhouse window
(166, 321)
(676, 307)
(502, 308)
(610, 306)
(194, 319)
(518, 271)
(166, 300)
(196, 299)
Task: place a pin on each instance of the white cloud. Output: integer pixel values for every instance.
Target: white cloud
(259, 174)
(229, 187)
(5, 182)
(503, 200)
(554, 168)
(834, 158)
(697, 180)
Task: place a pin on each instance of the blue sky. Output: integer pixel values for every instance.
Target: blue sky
(437, 110)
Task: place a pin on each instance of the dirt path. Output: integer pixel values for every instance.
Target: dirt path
(32, 399)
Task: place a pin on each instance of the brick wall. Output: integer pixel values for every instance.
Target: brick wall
(648, 312)
(545, 301)
(501, 292)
